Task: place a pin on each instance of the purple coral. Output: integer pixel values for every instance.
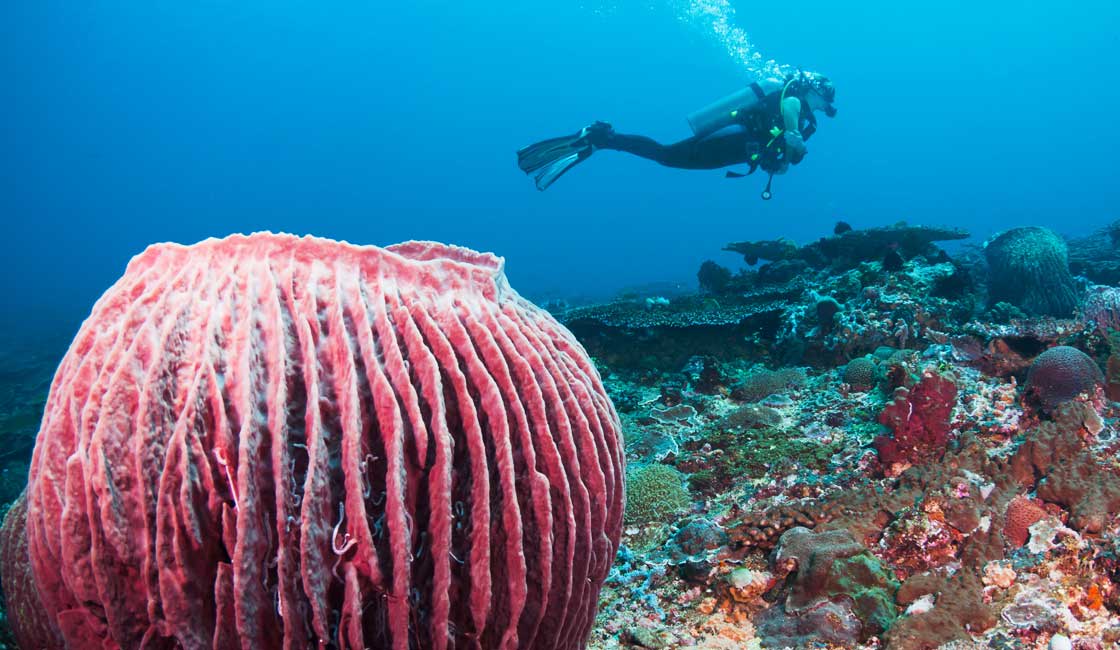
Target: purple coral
(1061, 374)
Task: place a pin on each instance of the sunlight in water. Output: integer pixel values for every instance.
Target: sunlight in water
(714, 20)
(717, 18)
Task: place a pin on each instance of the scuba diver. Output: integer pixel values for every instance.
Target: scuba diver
(764, 125)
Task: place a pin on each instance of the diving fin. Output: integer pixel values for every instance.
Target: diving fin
(550, 159)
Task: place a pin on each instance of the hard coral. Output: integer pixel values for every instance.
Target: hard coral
(1029, 268)
(1061, 374)
(919, 420)
(267, 441)
(654, 493)
(762, 383)
(1021, 514)
(713, 278)
(861, 374)
(958, 611)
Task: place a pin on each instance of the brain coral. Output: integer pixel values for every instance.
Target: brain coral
(861, 374)
(266, 441)
(1029, 268)
(1061, 374)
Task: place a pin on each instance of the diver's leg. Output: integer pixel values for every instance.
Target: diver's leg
(712, 152)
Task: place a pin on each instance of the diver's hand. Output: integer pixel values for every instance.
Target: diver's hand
(795, 147)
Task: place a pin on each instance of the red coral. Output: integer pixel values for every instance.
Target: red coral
(266, 442)
(1022, 513)
(920, 538)
(919, 422)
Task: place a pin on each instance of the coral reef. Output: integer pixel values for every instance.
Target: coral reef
(300, 442)
(854, 443)
(1029, 268)
(912, 439)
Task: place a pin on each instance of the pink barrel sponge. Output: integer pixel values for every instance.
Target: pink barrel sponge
(273, 442)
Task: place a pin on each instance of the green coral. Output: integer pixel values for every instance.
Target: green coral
(759, 452)
(654, 493)
(871, 587)
(832, 566)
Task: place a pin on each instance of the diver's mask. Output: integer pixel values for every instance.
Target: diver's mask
(823, 87)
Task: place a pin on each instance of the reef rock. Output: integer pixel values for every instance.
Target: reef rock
(848, 248)
(1097, 256)
(267, 441)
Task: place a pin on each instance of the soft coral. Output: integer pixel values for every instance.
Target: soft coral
(919, 420)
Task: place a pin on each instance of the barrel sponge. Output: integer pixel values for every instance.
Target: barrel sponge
(1060, 374)
(267, 441)
(1029, 268)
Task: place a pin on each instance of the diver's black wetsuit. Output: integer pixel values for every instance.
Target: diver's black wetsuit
(754, 136)
(721, 149)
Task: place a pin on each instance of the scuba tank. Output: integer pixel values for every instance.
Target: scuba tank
(724, 111)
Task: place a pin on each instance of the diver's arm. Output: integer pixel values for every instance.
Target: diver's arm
(791, 113)
(791, 117)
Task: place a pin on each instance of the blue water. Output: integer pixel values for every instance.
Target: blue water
(125, 123)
